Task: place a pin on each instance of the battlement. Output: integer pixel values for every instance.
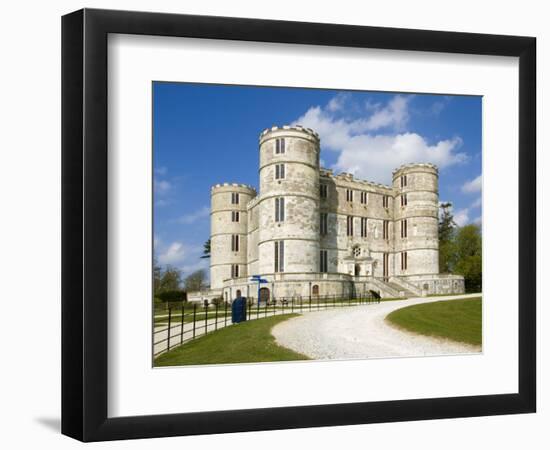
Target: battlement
(350, 178)
(227, 187)
(295, 128)
(407, 167)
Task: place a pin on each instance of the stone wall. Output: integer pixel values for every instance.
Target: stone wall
(222, 228)
(300, 190)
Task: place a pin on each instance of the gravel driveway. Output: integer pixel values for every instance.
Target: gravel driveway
(362, 332)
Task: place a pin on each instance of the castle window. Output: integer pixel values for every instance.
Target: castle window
(363, 198)
(235, 243)
(323, 261)
(234, 271)
(363, 227)
(234, 198)
(404, 228)
(279, 171)
(279, 256)
(385, 201)
(279, 209)
(323, 190)
(349, 195)
(350, 225)
(403, 181)
(279, 146)
(403, 260)
(323, 226)
(386, 230)
(403, 199)
(386, 265)
(234, 216)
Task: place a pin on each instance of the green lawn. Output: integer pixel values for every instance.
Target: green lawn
(245, 342)
(458, 320)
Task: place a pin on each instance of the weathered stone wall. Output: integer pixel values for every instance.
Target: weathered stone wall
(339, 245)
(421, 213)
(222, 228)
(438, 284)
(253, 236)
(300, 189)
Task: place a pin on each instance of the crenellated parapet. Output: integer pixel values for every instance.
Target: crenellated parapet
(288, 130)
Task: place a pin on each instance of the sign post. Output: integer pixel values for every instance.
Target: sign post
(260, 281)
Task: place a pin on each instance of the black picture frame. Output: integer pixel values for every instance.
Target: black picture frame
(84, 224)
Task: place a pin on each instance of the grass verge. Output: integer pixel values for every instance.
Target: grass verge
(457, 320)
(242, 343)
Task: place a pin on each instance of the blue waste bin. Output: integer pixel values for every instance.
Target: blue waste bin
(238, 310)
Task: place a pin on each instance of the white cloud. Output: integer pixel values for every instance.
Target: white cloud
(173, 254)
(337, 102)
(437, 107)
(472, 186)
(373, 156)
(394, 114)
(194, 216)
(161, 170)
(461, 217)
(476, 203)
(181, 255)
(195, 265)
(161, 186)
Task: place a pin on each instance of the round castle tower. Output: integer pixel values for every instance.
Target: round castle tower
(228, 222)
(416, 219)
(289, 202)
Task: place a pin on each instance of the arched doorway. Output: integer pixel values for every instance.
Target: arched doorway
(357, 270)
(264, 294)
(315, 289)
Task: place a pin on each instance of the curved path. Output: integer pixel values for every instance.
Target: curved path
(363, 332)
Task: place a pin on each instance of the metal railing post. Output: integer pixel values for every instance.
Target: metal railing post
(194, 318)
(182, 320)
(205, 319)
(169, 326)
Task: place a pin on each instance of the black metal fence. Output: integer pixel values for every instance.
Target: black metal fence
(177, 323)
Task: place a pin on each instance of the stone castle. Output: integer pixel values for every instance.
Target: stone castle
(310, 232)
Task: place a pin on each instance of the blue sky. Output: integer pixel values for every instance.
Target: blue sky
(208, 134)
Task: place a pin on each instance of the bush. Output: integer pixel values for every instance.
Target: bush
(172, 296)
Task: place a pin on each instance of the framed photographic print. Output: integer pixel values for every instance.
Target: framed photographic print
(273, 224)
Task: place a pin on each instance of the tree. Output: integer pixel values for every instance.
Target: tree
(206, 249)
(446, 231)
(195, 281)
(468, 255)
(157, 276)
(170, 279)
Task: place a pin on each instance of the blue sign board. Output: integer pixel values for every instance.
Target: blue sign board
(259, 280)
